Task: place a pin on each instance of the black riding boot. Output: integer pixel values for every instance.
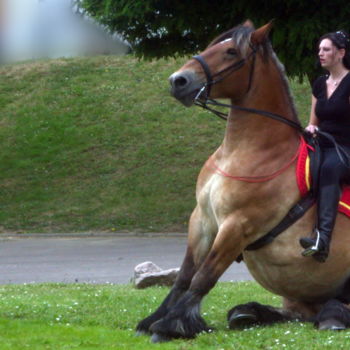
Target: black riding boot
(318, 246)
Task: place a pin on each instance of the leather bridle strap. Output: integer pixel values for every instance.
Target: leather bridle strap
(207, 72)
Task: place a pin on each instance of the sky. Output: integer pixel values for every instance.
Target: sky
(48, 28)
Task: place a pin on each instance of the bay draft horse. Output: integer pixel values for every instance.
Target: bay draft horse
(234, 210)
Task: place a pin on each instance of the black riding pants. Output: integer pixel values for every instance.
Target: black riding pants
(333, 175)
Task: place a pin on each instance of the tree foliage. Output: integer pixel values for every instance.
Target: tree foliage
(162, 28)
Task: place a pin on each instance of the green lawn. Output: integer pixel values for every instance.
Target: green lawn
(97, 144)
(81, 316)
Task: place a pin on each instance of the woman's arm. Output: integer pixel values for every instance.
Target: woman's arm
(313, 121)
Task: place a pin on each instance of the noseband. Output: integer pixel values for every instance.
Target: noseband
(204, 101)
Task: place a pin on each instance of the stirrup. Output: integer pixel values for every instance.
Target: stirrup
(315, 248)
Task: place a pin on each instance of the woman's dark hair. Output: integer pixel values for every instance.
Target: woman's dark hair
(340, 40)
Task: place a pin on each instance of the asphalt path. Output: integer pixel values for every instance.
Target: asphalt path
(91, 258)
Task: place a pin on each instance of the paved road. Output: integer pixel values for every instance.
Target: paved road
(92, 259)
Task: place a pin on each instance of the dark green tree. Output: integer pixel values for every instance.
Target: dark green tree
(162, 28)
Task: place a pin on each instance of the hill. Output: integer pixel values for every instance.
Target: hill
(97, 144)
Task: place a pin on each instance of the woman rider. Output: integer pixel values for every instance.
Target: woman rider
(330, 113)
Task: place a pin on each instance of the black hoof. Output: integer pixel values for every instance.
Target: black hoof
(331, 325)
(174, 328)
(141, 333)
(159, 338)
(143, 329)
(238, 320)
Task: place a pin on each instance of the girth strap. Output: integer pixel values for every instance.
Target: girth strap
(300, 208)
(292, 216)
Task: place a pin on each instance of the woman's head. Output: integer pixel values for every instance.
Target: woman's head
(334, 48)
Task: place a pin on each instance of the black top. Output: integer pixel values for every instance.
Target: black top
(333, 113)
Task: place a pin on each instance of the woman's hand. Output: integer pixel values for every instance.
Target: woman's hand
(312, 129)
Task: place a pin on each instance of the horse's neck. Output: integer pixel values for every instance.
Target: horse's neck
(256, 132)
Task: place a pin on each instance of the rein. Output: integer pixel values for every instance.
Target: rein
(271, 115)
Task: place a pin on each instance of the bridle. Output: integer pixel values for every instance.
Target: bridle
(223, 73)
(202, 99)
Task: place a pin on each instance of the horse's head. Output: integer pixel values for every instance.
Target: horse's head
(224, 69)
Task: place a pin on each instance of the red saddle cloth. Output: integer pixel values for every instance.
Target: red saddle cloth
(303, 175)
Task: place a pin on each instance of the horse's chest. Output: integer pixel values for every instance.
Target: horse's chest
(214, 198)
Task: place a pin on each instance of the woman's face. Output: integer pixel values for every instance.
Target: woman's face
(329, 54)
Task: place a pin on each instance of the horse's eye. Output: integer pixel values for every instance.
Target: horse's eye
(231, 51)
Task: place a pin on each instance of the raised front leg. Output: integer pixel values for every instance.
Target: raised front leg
(184, 319)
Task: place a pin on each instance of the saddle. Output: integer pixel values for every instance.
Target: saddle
(307, 174)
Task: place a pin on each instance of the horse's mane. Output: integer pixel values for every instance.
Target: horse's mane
(241, 35)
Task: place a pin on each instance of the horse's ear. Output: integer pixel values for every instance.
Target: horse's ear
(260, 35)
(248, 23)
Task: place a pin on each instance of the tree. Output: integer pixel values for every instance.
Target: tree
(162, 28)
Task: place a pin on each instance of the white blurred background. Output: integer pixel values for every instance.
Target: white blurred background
(31, 29)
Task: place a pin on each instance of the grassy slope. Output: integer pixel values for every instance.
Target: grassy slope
(98, 144)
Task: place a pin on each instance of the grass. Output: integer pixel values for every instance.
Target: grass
(97, 144)
(80, 316)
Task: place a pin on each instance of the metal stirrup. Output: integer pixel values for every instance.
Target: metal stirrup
(315, 248)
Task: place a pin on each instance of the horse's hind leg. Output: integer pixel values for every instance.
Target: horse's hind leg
(199, 243)
(253, 313)
(333, 316)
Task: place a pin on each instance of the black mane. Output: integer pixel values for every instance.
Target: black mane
(241, 36)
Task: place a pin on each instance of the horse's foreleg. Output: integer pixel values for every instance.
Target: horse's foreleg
(199, 243)
(184, 319)
(180, 286)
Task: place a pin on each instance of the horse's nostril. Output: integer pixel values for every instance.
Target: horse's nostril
(180, 82)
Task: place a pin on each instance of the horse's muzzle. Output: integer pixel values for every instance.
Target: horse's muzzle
(185, 87)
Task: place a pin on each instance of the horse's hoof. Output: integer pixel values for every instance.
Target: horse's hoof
(241, 320)
(331, 325)
(141, 333)
(159, 338)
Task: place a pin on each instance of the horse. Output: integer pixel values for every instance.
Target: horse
(244, 190)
